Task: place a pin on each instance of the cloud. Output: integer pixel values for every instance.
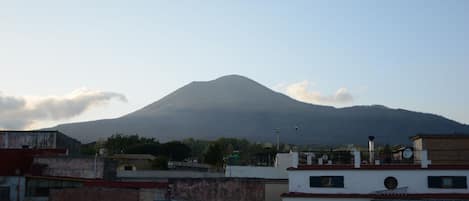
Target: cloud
(21, 112)
(300, 91)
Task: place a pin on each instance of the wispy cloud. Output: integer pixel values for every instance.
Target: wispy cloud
(302, 91)
(21, 112)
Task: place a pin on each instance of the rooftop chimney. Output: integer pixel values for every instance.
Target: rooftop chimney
(371, 149)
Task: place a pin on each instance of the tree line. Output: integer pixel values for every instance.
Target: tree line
(217, 152)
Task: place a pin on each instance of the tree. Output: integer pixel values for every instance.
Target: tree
(214, 155)
(160, 163)
(176, 150)
(119, 143)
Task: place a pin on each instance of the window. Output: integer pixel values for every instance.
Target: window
(128, 168)
(447, 182)
(326, 181)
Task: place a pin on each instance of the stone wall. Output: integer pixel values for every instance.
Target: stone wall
(217, 189)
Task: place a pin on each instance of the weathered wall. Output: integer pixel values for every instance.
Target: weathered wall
(94, 194)
(71, 167)
(151, 175)
(217, 190)
(273, 190)
(255, 172)
(38, 140)
(152, 194)
(17, 139)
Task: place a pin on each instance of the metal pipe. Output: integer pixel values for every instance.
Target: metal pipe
(371, 149)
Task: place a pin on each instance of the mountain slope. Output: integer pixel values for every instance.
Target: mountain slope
(235, 106)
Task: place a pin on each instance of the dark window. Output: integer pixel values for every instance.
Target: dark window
(128, 168)
(447, 182)
(326, 181)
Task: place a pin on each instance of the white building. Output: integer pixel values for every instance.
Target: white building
(278, 171)
(378, 182)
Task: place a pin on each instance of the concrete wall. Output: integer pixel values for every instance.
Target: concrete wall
(150, 175)
(94, 194)
(256, 172)
(12, 183)
(373, 180)
(273, 190)
(152, 194)
(285, 160)
(17, 139)
(217, 190)
(38, 140)
(71, 167)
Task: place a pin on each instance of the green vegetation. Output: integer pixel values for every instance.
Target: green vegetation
(216, 153)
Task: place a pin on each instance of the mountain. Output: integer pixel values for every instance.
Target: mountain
(235, 106)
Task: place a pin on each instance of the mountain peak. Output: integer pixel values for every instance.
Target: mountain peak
(233, 77)
(236, 106)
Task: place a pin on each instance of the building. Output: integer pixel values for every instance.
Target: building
(133, 162)
(443, 149)
(419, 180)
(38, 139)
(75, 167)
(15, 164)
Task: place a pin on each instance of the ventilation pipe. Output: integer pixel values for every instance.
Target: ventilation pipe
(371, 149)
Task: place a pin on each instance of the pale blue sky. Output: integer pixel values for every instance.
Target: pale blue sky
(402, 54)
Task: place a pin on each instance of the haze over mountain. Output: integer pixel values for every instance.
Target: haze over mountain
(235, 106)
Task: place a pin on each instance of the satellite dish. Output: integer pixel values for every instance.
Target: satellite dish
(407, 153)
(324, 157)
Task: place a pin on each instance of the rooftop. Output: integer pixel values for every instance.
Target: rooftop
(441, 136)
(380, 167)
(380, 196)
(133, 156)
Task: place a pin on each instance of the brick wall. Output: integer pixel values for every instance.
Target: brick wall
(447, 151)
(217, 189)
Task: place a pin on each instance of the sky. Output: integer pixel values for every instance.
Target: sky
(68, 61)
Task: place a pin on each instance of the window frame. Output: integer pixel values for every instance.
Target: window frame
(333, 182)
(457, 182)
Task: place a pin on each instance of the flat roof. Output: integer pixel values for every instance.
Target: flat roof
(441, 136)
(379, 167)
(133, 156)
(379, 196)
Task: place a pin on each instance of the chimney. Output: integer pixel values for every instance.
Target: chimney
(371, 149)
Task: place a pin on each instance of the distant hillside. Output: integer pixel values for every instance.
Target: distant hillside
(235, 106)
